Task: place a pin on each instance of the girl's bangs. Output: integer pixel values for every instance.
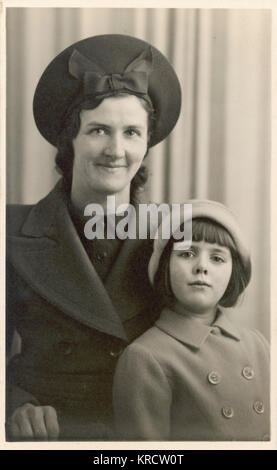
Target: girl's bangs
(211, 232)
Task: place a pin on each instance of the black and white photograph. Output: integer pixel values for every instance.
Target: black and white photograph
(137, 157)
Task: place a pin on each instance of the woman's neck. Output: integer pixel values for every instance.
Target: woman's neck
(109, 203)
(206, 317)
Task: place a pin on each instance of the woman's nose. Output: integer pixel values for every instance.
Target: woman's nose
(115, 147)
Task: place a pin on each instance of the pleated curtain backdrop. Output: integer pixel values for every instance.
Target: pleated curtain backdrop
(220, 148)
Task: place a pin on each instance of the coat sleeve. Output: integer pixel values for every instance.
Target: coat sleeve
(141, 396)
(263, 343)
(15, 395)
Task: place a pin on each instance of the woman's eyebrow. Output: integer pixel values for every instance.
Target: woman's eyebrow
(109, 126)
(134, 125)
(96, 124)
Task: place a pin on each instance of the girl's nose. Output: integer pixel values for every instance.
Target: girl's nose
(115, 147)
(200, 266)
(201, 270)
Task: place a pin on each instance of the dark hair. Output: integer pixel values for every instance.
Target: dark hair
(65, 155)
(203, 229)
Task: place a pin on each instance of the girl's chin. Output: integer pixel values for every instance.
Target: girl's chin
(197, 307)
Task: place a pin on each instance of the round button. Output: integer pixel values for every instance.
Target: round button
(259, 407)
(248, 372)
(214, 377)
(215, 331)
(116, 353)
(15, 359)
(101, 256)
(64, 348)
(227, 412)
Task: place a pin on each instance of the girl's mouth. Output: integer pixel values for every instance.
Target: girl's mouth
(199, 284)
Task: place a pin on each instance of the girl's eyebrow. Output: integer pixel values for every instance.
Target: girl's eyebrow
(220, 250)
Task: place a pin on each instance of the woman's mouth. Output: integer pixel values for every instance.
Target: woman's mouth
(110, 166)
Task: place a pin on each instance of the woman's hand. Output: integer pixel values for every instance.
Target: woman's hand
(34, 422)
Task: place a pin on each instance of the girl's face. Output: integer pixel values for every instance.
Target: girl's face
(109, 147)
(200, 275)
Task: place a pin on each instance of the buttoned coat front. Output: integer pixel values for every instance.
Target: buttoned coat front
(182, 380)
(72, 325)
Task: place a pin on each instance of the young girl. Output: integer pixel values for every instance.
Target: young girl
(195, 375)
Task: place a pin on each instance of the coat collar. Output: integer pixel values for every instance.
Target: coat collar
(41, 219)
(191, 331)
(49, 255)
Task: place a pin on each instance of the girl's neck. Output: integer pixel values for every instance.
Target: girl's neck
(207, 317)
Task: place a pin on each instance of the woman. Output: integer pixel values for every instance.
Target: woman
(77, 303)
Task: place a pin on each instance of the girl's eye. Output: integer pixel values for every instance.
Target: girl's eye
(218, 259)
(187, 254)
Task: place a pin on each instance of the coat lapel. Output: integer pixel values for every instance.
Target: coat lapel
(49, 255)
(127, 281)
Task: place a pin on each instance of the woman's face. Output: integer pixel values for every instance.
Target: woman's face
(200, 275)
(109, 147)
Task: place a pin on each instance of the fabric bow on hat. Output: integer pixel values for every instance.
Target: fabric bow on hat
(100, 66)
(96, 82)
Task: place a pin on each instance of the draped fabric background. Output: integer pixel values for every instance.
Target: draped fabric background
(220, 148)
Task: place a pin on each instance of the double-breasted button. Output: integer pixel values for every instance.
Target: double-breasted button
(101, 256)
(115, 353)
(248, 372)
(215, 330)
(214, 377)
(258, 407)
(15, 359)
(227, 412)
(64, 348)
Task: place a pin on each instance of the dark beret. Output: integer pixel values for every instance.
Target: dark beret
(107, 57)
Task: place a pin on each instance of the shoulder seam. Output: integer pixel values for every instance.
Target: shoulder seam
(140, 346)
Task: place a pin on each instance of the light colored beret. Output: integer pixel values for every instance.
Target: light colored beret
(212, 210)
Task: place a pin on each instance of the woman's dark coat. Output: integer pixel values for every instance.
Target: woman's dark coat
(72, 325)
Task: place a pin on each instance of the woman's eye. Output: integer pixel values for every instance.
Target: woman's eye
(97, 131)
(132, 132)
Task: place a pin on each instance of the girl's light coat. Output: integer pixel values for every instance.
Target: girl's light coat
(182, 380)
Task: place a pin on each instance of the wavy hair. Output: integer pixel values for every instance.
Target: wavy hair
(65, 155)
